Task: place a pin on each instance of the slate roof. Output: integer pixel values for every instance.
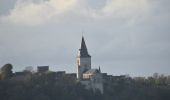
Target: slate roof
(83, 49)
(92, 71)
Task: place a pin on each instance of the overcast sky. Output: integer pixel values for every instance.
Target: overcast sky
(122, 36)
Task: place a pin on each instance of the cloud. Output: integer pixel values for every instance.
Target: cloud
(37, 11)
(112, 42)
(125, 8)
(119, 9)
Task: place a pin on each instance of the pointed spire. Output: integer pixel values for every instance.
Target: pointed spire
(83, 44)
(99, 69)
(83, 49)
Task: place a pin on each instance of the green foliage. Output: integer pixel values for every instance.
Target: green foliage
(45, 86)
(136, 89)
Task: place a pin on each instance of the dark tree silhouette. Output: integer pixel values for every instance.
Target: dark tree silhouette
(6, 71)
(47, 86)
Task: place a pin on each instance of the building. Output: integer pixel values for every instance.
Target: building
(91, 78)
(42, 69)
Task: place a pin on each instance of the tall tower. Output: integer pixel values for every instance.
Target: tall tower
(83, 60)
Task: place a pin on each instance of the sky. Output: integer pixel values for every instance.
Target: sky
(122, 36)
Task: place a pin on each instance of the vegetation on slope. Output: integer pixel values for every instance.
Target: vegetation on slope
(45, 86)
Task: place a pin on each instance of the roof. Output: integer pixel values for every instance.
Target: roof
(92, 71)
(83, 49)
(42, 68)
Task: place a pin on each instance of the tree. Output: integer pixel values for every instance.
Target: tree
(6, 71)
(168, 80)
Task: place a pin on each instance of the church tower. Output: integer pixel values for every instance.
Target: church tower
(83, 60)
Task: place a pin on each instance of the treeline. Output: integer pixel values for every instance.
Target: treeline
(45, 86)
(139, 88)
